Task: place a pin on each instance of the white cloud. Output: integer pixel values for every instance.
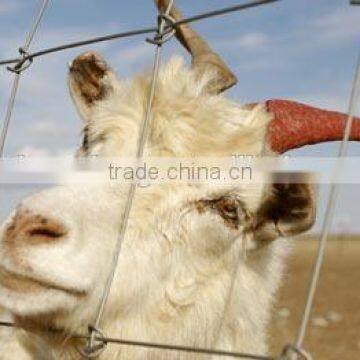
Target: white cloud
(339, 24)
(43, 128)
(55, 36)
(9, 7)
(132, 59)
(253, 40)
(249, 41)
(135, 53)
(330, 29)
(260, 63)
(324, 100)
(34, 151)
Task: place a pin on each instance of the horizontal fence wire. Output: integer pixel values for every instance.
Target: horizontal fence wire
(247, 5)
(153, 345)
(189, 349)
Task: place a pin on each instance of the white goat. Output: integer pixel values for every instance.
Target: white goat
(183, 240)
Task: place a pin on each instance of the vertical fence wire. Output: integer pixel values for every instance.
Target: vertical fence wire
(131, 193)
(9, 111)
(330, 209)
(15, 86)
(36, 24)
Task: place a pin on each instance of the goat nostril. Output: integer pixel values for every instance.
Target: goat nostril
(47, 232)
(32, 229)
(41, 229)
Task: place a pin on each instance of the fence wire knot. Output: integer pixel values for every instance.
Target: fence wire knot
(166, 30)
(292, 352)
(95, 346)
(24, 62)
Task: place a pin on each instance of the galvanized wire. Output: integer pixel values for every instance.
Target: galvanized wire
(160, 346)
(83, 43)
(330, 209)
(143, 134)
(11, 103)
(148, 30)
(9, 111)
(189, 349)
(35, 25)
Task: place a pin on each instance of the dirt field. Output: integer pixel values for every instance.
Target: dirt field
(334, 330)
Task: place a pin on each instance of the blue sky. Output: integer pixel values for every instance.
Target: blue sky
(302, 50)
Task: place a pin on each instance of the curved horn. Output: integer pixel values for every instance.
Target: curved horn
(295, 125)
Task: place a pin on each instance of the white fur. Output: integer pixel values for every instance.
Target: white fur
(176, 264)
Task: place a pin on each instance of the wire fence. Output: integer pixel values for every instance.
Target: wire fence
(23, 51)
(147, 30)
(96, 341)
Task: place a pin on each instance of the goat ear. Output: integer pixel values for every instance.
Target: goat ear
(288, 209)
(90, 81)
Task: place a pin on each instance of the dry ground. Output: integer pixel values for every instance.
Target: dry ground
(334, 330)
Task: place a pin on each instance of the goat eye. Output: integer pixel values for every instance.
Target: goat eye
(227, 208)
(230, 209)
